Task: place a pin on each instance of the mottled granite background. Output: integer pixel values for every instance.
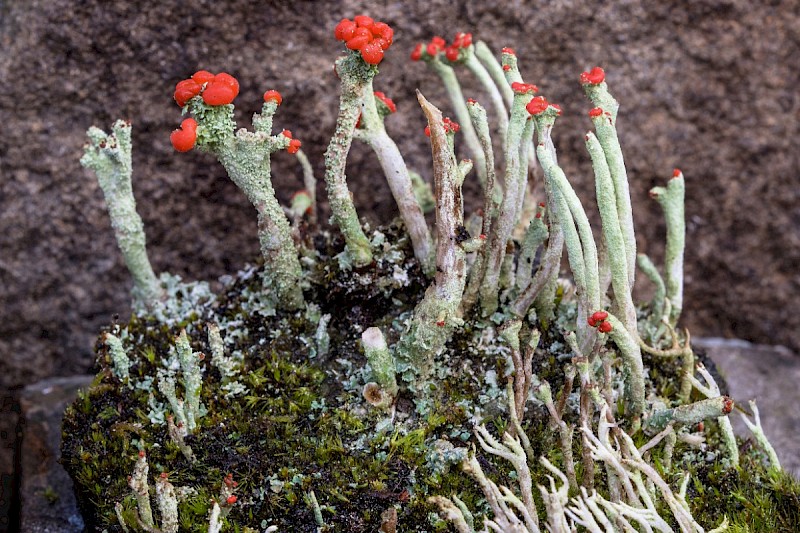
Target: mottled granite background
(708, 86)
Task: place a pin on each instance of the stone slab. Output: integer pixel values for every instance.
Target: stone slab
(48, 502)
(771, 375)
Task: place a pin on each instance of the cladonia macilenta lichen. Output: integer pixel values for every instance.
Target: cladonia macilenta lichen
(414, 377)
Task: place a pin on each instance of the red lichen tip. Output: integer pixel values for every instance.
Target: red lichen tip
(141, 453)
(596, 112)
(471, 101)
(506, 68)
(450, 126)
(294, 146)
(164, 475)
(462, 40)
(440, 323)
(557, 108)
(416, 54)
(185, 90)
(273, 96)
(231, 499)
(676, 173)
(537, 105)
(287, 134)
(605, 327)
(523, 88)
(365, 35)
(509, 51)
(202, 76)
(221, 90)
(452, 53)
(600, 315)
(727, 405)
(386, 101)
(427, 131)
(542, 204)
(482, 236)
(183, 138)
(593, 77)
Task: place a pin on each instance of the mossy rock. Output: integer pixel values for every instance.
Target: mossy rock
(299, 422)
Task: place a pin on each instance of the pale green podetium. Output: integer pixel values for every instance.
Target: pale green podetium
(246, 158)
(356, 76)
(383, 368)
(671, 199)
(109, 156)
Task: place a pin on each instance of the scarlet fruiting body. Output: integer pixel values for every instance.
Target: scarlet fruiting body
(185, 90)
(506, 67)
(294, 146)
(218, 94)
(537, 105)
(509, 51)
(595, 112)
(202, 76)
(605, 327)
(522, 88)
(593, 77)
(676, 173)
(273, 96)
(364, 35)
(416, 54)
(386, 101)
(183, 139)
(231, 499)
(372, 53)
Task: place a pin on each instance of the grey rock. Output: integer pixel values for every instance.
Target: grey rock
(770, 375)
(48, 502)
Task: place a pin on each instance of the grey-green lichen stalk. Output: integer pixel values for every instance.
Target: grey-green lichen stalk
(356, 77)
(109, 156)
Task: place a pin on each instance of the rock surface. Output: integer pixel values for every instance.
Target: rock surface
(48, 503)
(768, 374)
(710, 86)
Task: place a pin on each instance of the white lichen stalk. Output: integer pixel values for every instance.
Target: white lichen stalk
(373, 133)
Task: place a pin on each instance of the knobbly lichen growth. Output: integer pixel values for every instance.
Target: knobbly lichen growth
(412, 377)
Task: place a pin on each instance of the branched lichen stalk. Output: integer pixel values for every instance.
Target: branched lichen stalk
(374, 134)
(355, 75)
(245, 156)
(671, 199)
(437, 315)
(109, 156)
